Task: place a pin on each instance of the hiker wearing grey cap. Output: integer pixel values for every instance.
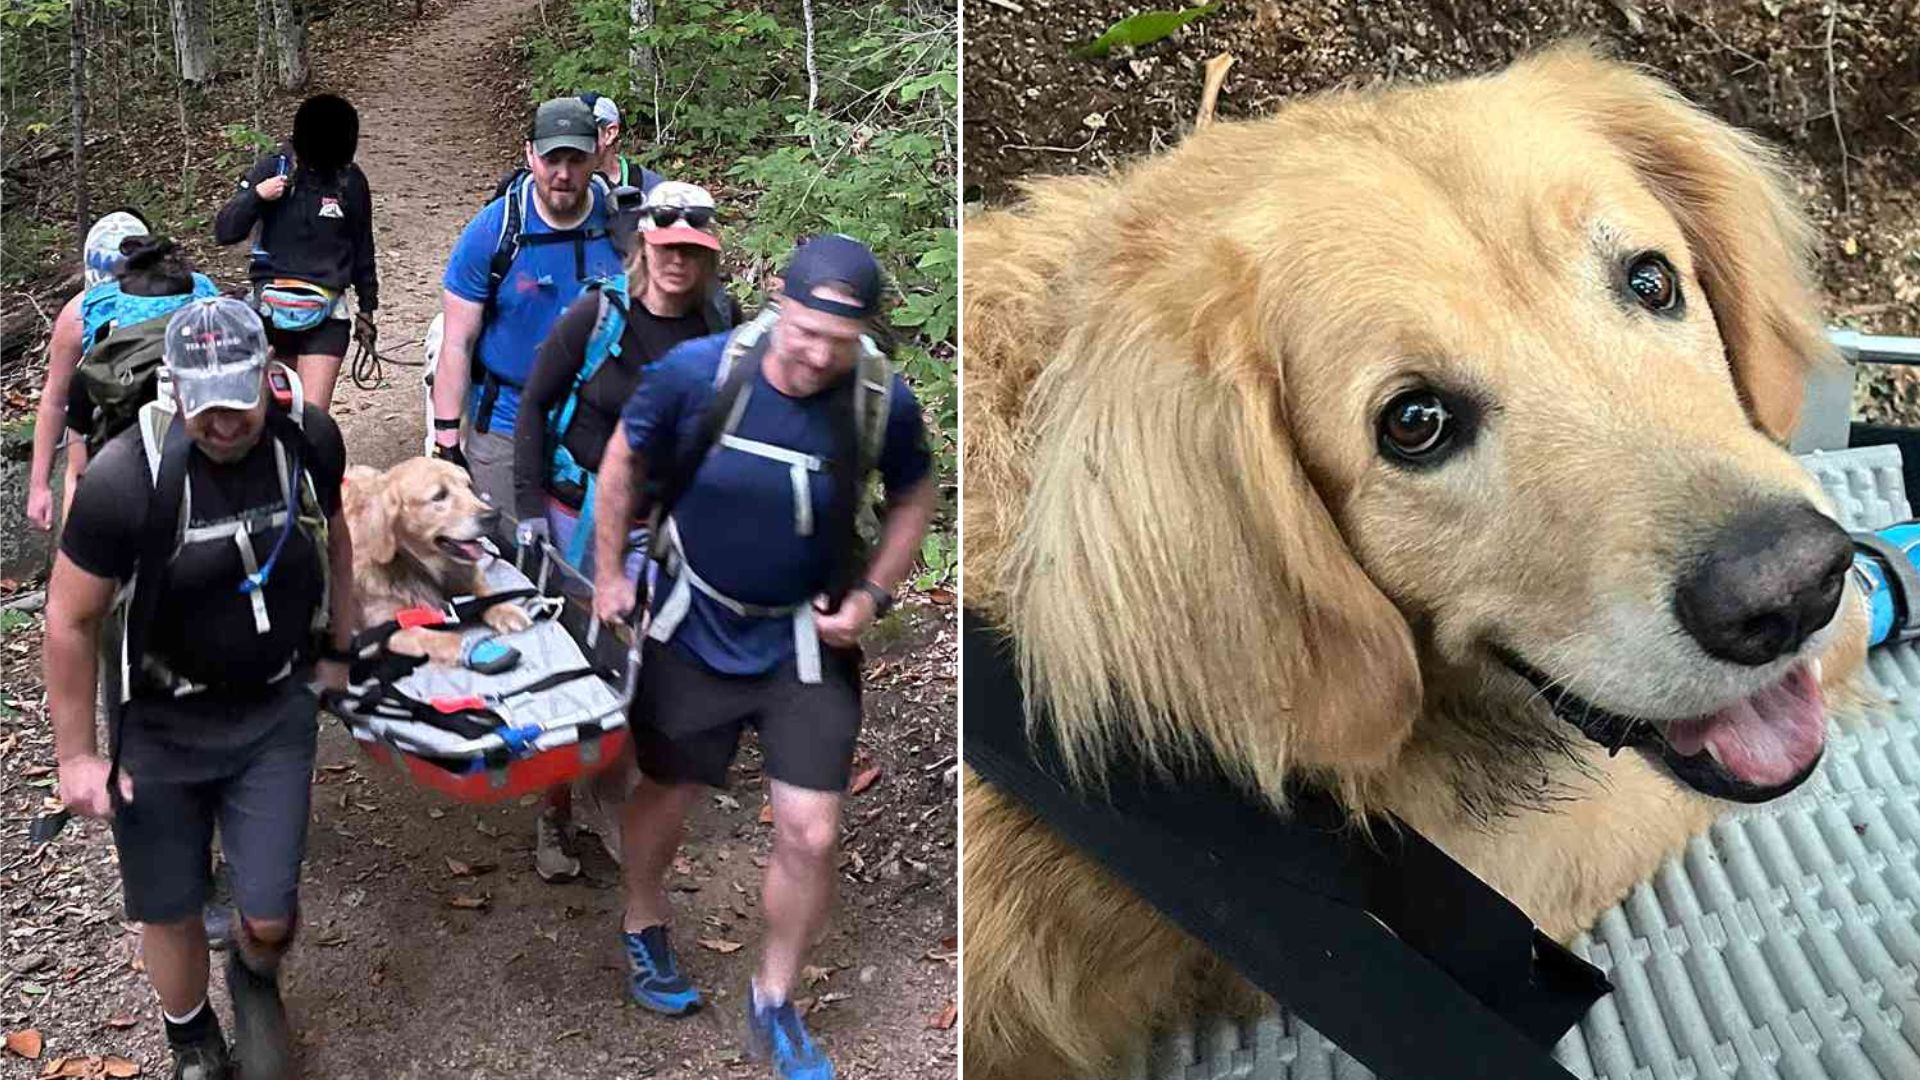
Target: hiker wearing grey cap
(759, 443)
(220, 508)
(515, 268)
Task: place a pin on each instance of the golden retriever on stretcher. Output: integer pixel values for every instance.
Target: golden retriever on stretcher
(416, 543)
(1412, 442)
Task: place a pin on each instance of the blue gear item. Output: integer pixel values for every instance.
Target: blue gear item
(489, 657)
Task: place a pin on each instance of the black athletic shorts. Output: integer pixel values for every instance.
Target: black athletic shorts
(687, 719)
(328, 339)
(258, 796)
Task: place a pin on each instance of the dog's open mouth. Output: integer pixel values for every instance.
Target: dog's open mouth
(471, 551)
(1755, 749)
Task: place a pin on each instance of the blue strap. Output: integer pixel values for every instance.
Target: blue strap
(605, 342)
(254, 581)
(583, 529)
(518, 739)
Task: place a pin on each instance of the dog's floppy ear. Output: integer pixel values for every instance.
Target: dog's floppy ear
(1175, 581)
(1734, 202)
(369, 515)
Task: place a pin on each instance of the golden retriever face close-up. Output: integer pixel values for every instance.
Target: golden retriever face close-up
(1427, 444)
(416, 541)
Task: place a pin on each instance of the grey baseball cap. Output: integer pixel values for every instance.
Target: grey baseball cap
(215, 350)
(565, 124)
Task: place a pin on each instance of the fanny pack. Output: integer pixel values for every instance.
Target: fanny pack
(296, 305)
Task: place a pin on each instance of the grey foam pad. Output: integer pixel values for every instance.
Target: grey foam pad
(1784, 943)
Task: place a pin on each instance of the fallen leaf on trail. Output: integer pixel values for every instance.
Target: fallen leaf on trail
(945, 1019)
(27, 1043)
(458, 868)
(123, 1020)
(120, 1067)
(486, 830)
(813, 974)
(865, 780)
(468, 903)
(766, 814)
(721, 946)
(726, 802)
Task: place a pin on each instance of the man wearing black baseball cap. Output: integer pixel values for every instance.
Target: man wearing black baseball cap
(761, 441)
(235, 593)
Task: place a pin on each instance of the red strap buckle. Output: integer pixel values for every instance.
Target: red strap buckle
(449, 706)
(409, 618)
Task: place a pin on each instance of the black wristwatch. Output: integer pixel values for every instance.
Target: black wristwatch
(882, 599)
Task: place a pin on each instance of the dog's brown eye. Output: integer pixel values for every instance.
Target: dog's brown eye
(439, 494)
(1415, 425)
(1653, 281)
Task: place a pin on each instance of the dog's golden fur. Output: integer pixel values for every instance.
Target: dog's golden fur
(1175, 501)
(398, 519)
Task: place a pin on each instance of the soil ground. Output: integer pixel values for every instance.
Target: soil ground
(1032, 108)
(394, 977)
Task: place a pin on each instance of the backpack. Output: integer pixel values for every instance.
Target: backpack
(506, 247)
(604, 341)
(167, 453)
(118, 375)
(866, 400)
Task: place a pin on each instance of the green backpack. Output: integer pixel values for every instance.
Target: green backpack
(118, 375)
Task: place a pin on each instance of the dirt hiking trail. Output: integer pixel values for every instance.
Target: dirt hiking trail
(429, 947)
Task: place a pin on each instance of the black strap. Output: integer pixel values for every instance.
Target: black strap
(849, 484)
(466, 611)
(1342, 929)
(158, 540)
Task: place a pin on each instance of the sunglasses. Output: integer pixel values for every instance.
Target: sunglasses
(698, 217)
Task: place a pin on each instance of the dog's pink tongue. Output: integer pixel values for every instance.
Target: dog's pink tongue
(1766, 739)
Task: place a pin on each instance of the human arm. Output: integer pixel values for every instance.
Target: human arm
(366, 278)
(555, 366)
(463, 310)
(50, 418)
(622, 470)
(262, 184)
(77, 603)
(906, 523)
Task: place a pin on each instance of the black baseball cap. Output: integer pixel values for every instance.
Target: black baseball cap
(565, 123)
(834, 259)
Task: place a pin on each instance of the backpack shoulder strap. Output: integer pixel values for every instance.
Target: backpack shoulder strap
(507, 246)
(873, 402)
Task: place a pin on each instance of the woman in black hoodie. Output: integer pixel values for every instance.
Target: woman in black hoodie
(313, 214)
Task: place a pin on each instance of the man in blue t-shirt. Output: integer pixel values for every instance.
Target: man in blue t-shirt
(492, 330)
(759, 611)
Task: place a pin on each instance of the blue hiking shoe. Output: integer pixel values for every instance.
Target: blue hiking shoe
(776, 1035)
(654, 977)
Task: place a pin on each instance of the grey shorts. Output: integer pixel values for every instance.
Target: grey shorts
(490, 460)
(259, 800)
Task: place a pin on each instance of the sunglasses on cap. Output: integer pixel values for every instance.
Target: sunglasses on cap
(697, 216)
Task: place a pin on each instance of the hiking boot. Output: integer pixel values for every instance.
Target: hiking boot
(776, 1035)
(203, 1058)
(551, 859)
(261, 1039)
(654, 977)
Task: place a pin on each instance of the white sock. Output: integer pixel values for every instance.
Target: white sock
(191, 1013)
(760, 1000)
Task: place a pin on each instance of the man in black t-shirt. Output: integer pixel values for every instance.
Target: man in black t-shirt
(213, 720)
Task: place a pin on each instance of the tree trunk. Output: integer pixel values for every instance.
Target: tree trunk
(640, 59)
(262, 57)
(813, 73)
(192, 40)
(77, 66)
(290, 39)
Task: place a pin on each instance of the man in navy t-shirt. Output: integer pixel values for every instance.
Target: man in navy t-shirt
(744, 626)
(563, 244)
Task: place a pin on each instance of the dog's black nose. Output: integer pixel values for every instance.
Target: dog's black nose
(1766, 580)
